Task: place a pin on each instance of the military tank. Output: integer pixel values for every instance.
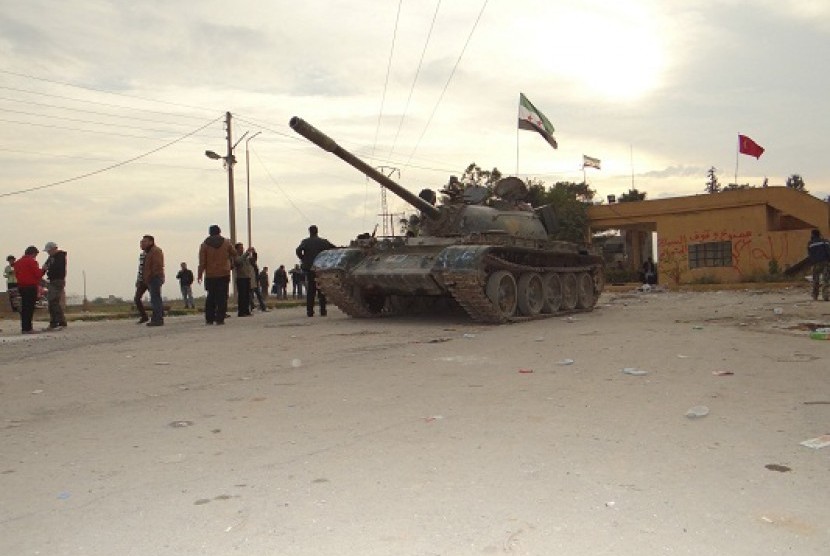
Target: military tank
(492, 254)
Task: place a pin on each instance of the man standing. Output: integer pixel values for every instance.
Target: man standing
(216, 256)
(296, 281)
(11, 284)
(244, 280)
(55, 270)
(263, 281)
(307, 251)
(140, 286)
(818, 250)
(28, 279)
(185, 278)
(154, 278)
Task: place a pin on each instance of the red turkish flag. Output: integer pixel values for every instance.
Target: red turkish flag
(750, 147)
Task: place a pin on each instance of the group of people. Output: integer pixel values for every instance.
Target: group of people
(281, 278)
(25, 278)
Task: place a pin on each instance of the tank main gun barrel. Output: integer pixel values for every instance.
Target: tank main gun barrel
(328, 144)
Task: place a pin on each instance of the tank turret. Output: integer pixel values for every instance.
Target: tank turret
(485, 251)
(465, 212)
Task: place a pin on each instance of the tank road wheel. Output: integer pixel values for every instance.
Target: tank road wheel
(570, 294)
(585, 298)
(553, 292)
(531, 294)
(502, 291)
(371, 302)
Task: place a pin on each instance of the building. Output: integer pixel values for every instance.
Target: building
(730, 236)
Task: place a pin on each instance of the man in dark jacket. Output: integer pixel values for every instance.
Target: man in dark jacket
(153, 275)
(185, 278)
(818, 250)
(216, 257)
(307, 251)
(55, 270)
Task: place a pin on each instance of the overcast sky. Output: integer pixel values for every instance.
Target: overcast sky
(131, 94)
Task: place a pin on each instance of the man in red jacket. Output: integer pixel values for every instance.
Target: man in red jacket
(28, 274)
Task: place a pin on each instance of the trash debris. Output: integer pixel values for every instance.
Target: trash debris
(180, 424)
(525, 371)
(778, 311)
(469, 335)
(777, 467)
(37, 391)
(822, 441)
(722, 373)
(433, 418)
(162, 363)
(681, 356)
(634, 371)
(697, 327)
(610, 504)
(565, 362)
(63, 496)
(296, 363)
(820, 334)
(697, 411)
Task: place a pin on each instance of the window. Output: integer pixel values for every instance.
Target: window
(714, 253)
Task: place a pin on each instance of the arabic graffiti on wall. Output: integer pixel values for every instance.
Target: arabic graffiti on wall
(750, 253)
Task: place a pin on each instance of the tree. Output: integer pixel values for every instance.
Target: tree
(474, 175)
(632, 195)
(712, 184)
(796, 182)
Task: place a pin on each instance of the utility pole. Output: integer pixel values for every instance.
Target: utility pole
(230, 160)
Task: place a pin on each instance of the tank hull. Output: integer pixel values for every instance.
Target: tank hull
(493, 283)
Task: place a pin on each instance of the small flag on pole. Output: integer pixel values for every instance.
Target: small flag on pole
(532, 119)
(590, 162)
(750, 147)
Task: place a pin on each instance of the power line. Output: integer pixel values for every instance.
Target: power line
(415, 79)
(449, 79)
(103, 91)
(112, 166)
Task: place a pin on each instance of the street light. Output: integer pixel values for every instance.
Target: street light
(248, 179)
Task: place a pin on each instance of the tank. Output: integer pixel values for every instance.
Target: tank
(488, 252)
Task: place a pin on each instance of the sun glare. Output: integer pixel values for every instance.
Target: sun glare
(617, 53)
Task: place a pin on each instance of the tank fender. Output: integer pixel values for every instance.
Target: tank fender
(338, 259)
(461, 257)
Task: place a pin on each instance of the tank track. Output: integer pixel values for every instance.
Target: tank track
(468, 289)
(338, 290)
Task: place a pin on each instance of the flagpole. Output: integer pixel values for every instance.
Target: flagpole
(631, 150)
(737, 158)
(517, 151)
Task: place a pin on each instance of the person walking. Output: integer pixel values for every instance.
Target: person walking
(55, 270)
(296, 281)
(185, 278)
(307, 251)
(153, 275)
(818, 251)
(140, 286)
(11, 284)
(28, 275)
(216, 258)
(244, 277)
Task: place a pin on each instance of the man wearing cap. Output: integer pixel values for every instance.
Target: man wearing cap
(28, 279)
(55, 270)
(216, 258)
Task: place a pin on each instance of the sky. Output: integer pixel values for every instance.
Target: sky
(108, 108)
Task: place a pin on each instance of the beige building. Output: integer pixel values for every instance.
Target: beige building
(725, 237)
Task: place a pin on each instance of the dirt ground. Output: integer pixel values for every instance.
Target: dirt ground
(280, 434)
